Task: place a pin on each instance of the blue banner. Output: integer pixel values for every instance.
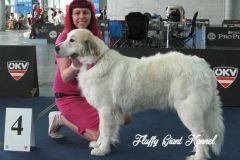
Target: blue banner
(23, 6)
(96, 4)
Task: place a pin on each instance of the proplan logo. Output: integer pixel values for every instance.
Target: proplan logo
(211, 36)
(17, 69)
(225, 75)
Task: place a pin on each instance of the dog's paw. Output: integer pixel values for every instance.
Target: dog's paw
(99, 152)
(93, 144)
(192, 157)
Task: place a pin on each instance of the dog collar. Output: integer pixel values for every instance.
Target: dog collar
(89, 66)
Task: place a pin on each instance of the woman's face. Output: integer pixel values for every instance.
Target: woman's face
(81, 17)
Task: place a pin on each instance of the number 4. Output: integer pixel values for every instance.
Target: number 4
(17, 128)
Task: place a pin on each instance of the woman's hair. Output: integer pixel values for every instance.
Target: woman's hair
(69, 25)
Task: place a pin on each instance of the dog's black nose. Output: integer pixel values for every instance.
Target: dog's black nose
(57, 48)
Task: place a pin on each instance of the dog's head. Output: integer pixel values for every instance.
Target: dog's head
(81, 44)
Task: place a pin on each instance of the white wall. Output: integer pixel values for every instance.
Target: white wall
(102, 3)
(235, 9)
(208, 9)
(117, 9)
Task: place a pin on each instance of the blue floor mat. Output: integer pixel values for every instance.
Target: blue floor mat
(151, 123)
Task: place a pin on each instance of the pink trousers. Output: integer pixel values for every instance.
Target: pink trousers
(77, 110)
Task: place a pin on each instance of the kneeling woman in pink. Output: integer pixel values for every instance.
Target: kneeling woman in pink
(74, 111)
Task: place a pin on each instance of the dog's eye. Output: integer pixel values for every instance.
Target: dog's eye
(72, 40)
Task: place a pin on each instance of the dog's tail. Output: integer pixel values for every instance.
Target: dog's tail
(214, 124)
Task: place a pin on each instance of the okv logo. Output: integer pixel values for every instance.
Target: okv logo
(17, 69)
(211, 36)
(225, 75)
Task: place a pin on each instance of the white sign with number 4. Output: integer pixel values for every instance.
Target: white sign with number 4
(19, 130)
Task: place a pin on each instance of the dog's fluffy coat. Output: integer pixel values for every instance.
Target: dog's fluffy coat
(118, 84)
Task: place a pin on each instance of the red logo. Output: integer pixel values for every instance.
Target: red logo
(17, 69)
(225, 75)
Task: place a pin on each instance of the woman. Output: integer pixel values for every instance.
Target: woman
(74, 111)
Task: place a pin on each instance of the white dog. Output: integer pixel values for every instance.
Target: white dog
(118, 84)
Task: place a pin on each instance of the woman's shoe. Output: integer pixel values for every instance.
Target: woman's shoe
(54, 124)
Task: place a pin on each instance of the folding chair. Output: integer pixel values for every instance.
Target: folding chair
(116, 30)
(137, 25)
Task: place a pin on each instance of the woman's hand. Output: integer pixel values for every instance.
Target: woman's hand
(76, 64)
(69, 68)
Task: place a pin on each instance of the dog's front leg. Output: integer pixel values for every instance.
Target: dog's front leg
(103, 143)
(96, 144)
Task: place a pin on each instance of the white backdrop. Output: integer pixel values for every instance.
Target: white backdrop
(117, 9)
(208, 9)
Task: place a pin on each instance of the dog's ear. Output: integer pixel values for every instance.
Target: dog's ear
(91, 48)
